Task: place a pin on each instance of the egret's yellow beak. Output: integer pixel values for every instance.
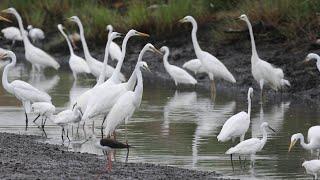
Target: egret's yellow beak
(292, 144)
(5, 11)
(156, 51)
(143, 34)
(4, 19)
(182, 21)
(3, 55)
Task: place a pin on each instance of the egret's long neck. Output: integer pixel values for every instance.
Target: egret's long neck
(26, 41)
(123, 53)
(102, 75)
(139, 88)
(303, 144)
(133, 78)
(5, 82)
(264, 136)
(84, 42)
(68, 42)
(165, 59)
(196, 46)
(253, 44)
(249, 106)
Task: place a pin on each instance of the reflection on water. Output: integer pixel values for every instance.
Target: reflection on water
(175, 128)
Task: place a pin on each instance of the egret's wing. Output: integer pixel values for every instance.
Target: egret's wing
(115, 51)
(27, 92)
(42, 57)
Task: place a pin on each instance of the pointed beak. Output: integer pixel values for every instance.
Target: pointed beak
(74, 106)
(143, 34)
(271, 129)
(182, 21)
(291, 145)
(156, 51)
(237, 18)
(147, 68)
(5, 19)
(306, 60)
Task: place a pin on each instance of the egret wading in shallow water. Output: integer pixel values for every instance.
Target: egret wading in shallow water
(314, 56)
(212, 65)
(262, 71)
(114, 49)
(179, 75)
(23, 91)
(313, 139)
(312, 167)
(237, 125)
(35, 34)
(250, 146)
(194, 65)
(77, 64)
(44, 110)
(12, 33)
(37, 57)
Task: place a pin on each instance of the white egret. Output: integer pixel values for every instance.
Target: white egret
(77, 64)
(94, 65)
(250, 146)
(262, 71)
(12, 33)
(37, 57)
(35, 33)
(214, 67)
(237, 125)
(23, 91)
(114, 50)
(127, 103)
(314, 56)
(179, 75)
(312, 167)
(44, 110)
(194, 65)
(313, 139)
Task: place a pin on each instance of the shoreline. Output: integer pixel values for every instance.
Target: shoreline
(23, 157)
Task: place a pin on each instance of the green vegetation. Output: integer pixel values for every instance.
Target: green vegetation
(287, 19)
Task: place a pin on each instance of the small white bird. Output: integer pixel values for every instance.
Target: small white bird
(237, 125)
(179, 75)
(251, 146)
(23, 91)
(262, 71)
(315, 57)
(195, 66)
(77, 64)
(313, 139)
(214, 67)
(12, 33)
(44, 110)
(312, 167)
(114, 49)
(35, 34)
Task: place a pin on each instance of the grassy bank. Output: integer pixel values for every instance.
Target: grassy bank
(285, 19)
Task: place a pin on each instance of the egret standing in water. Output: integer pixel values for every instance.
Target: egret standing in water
(213, 66)
(313, 139)
(312, 167)
(179, 75)
(314, 56)
(114, 50)
(77, 64)
(262, 71)
(23, 91)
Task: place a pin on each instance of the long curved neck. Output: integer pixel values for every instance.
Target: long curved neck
(253, 44)
(303, 144)
(68, 42)
(165, 59)
(102, 75)
(84, 42)
(26, 41)
(139, 88)
(123, 53)
(264, 136)
(196, 46)
(249, 106)
(5, 82)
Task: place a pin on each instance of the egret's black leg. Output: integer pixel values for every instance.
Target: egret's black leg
(104, 118)
(34, 121)
(44, 123)
(26, 120)
(231, 162)
(62, 132)
(127, 154)
(68, 135)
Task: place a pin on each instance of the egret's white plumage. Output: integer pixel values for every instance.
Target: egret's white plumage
(237, 125)
(315, 56)
(312, 167)
(67, 116)
(114, 49)
(194, 65)
(37, 57)
(45, 109)
(179, 75)
(77, 64)
(313, 139)
(214, 67)
(12, 33)
(35, 33)
(262, 71)
(94, 65)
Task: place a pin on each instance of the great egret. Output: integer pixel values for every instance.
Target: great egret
(127, 103)
(35, 33)
(250, 146)
(237, 125)
(179, 75)
(312, 167)
(214, 67)
(94, 65)
(315, 57)
(262, 71)
(313, 139)
(82, 100)
(114, 50)
(194, 65)
(77, 64)
(103, 100)
(37, 57)
(12, 33)
(23, 91)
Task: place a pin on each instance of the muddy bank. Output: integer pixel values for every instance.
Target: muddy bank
(22, 157)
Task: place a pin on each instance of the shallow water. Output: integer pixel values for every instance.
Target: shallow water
(176, 128)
